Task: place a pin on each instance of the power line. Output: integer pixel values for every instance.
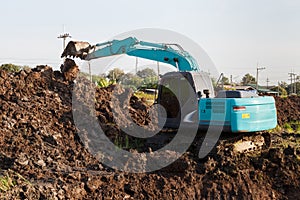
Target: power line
(257, 70)
(293, 82)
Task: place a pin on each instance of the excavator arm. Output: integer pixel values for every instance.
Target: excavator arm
(165, 53)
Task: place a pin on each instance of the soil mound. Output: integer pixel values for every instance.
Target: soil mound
(288, 109)
(42, 151)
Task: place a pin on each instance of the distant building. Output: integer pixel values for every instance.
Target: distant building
(262, 90)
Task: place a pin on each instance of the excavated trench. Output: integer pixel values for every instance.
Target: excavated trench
(42, 151)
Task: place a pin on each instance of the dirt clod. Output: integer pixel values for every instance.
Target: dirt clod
(69, 69)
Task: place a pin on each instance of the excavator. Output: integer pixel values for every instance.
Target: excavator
(187, 94)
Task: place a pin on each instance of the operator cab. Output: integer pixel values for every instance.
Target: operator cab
(179, 93)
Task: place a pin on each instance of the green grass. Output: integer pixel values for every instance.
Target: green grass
(9, 179)
(277, 129)
(298, 130)
(6, 183)
(289, 127)
(123, 142)
(297, 127)
(150, 98)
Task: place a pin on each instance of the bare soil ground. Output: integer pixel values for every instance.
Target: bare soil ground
(42, 151)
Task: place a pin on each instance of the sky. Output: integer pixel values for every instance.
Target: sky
(237, 35)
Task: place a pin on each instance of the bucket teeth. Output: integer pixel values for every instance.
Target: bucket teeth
(76, 49)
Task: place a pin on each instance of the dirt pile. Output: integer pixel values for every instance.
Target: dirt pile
(37, 135)
(288, 109)
(42, 151)
(69, 69)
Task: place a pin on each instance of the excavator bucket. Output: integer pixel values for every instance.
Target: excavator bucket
(76, 49)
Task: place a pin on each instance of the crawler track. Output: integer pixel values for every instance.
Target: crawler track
(227, 144)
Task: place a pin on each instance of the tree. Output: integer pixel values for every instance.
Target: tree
(130, 80)
(149, 77)
(291, 88)
(115, 74)
(26, 68)
(11, 67)
(283, 84)
(248, 79)
(280, 89)
(150, 82)
(145, 73)
(225, 80)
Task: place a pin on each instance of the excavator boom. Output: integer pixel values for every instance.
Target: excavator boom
(172, 54)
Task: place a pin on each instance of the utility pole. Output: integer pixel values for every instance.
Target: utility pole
(155, 93)
(296, 80)
(257, 70)
(292, 77)
(268, 83)
(64, 36)
(158, 70)
(136, 64)
(295, 83)
(90, 71)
